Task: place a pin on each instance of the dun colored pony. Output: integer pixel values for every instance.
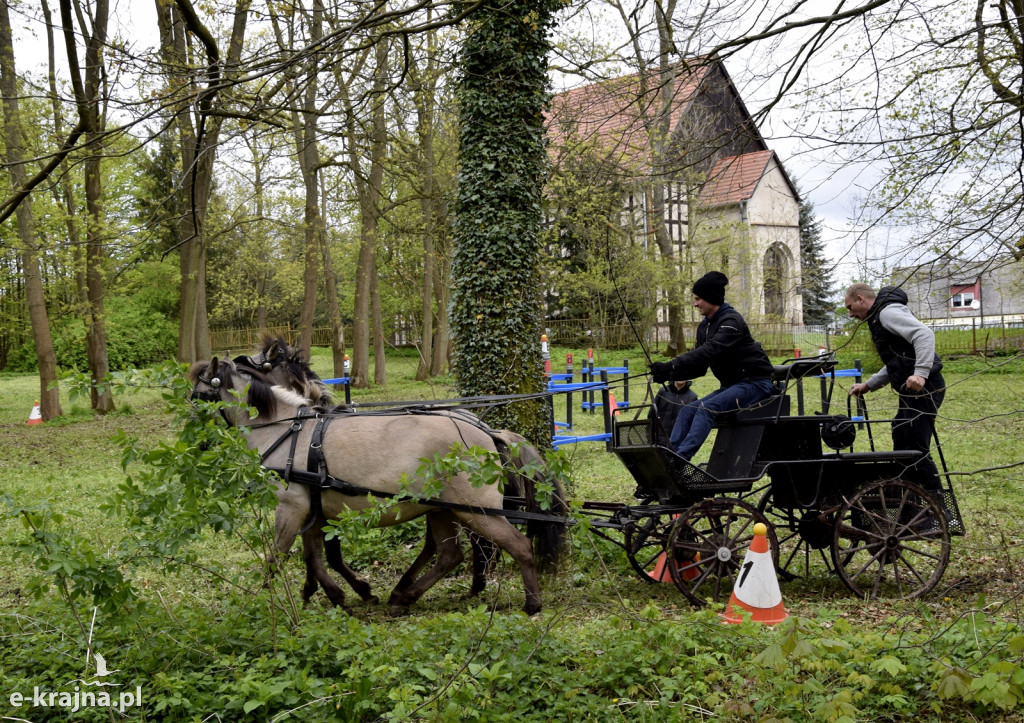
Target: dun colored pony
(369, 452)
(287, 366)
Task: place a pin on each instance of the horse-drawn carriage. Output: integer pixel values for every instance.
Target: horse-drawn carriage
(885, 536)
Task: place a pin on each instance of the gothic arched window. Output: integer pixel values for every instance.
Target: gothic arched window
(775, 273)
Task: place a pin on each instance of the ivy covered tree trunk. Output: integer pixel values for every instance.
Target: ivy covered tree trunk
(496, 292)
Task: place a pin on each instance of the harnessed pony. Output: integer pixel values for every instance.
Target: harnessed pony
(352, 454)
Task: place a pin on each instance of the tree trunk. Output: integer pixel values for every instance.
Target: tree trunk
(380, 375)
(442, 331)
(361, 305)
(49, 394)
(425, 99)
(337, 329)
(496, 302)
(198, 142)
(88, 102)
(369, 189)
(309, 163)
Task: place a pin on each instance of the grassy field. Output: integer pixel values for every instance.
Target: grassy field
(607, 646)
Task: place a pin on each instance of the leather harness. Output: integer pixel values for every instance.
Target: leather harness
(317, 478)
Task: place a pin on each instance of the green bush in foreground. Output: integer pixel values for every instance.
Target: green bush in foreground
(643, 663)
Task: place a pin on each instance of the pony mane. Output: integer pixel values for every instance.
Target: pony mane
(285, 395)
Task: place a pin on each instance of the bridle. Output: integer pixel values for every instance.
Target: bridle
(261, 362)
(208, 395)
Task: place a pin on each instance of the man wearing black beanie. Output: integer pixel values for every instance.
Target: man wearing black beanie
(725, 346)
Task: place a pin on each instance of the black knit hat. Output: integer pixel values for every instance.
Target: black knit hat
(711, 287)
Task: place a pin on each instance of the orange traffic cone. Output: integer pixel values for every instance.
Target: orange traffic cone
(756, 591)
(662, 574)
(34, 416)
(612, 404)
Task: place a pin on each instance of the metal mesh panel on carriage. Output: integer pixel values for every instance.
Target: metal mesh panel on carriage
(660, 472)
(847, 472)
(954, 520)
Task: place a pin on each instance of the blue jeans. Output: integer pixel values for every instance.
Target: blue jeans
(693, 425)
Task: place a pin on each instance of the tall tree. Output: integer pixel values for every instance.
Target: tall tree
(49, 396)
(496, 302)
(88, 87)
(815, 269)
(305, 116)
(434, 289)
(366, 140)
(198, 127)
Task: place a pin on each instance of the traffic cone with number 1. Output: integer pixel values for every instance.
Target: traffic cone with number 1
(756, 591)
(34, 417)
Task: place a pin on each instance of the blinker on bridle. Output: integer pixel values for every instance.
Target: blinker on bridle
(260, 362)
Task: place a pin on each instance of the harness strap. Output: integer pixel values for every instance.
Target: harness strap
(288, 474)
(294, 429)
(316, 464)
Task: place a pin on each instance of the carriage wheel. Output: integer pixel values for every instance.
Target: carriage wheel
(707, 544)
(891, 540)
(804, 538)
(645, 545)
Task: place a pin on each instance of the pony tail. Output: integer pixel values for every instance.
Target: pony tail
(548, 537)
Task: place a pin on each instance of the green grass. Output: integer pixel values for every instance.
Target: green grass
(73, 463)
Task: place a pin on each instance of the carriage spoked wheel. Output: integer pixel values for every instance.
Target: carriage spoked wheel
(805, 538)
(891, 540)
(645, 540)
(707, 544)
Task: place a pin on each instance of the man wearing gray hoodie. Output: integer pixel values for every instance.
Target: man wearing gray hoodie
(911, 367)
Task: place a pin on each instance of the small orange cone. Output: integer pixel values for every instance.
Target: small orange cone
(612, 404)
(661, 572)
(34, 416)
(757, 588)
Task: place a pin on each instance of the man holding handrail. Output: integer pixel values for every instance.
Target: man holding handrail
(911, 367)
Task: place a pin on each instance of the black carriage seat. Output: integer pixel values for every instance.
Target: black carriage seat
(661, 473)
(739, 435)
(782, 374)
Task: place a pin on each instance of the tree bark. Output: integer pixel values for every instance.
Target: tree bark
(337, 328)
(49, 394)
(198, 139)
(369, 191)
(87, 99)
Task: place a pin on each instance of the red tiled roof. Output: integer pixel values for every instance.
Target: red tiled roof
(611, 115)
(734, 179)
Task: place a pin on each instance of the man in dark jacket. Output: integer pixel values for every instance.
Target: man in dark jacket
(912, 368)
(724, 345)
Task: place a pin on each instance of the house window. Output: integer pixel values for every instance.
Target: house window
(961, 300)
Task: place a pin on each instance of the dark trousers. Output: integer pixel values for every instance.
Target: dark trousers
(914, 426)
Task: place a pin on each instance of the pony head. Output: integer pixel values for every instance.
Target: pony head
(220, 380)
(287, 366)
